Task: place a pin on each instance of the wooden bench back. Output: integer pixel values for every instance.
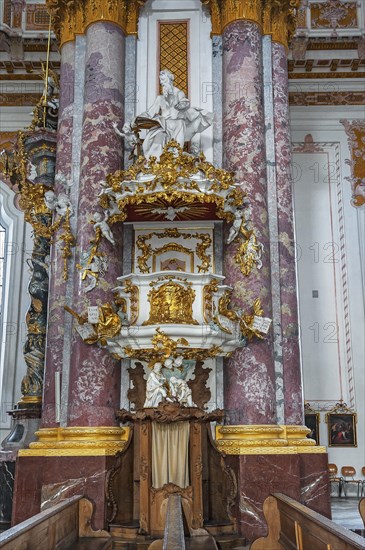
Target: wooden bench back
(294, 526)
(60, 526)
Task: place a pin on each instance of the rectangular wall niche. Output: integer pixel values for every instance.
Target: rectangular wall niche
(174, 51)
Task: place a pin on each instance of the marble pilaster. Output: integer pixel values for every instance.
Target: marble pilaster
(273, 226)
(79, 83)
(292, 378)
(216, 91)
(249, 374)
(57, 288)
(94, 380)
(131, 92)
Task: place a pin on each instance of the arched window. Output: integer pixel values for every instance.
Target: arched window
(15, 244)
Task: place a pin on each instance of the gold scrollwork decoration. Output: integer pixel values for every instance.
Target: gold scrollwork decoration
(174, 247)
(208, 292)
(147, 251)
(164, 347)
(108, 325)
(249, 253)
(133, 291)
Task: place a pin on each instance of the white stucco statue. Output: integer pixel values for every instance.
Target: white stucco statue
(156, 387)
(104, 227)
(181, 391)
(60, 203)
(236, 226)
(175, 118)
(242, 218)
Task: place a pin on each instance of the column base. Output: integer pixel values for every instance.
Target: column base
(265, 439)
(42, 481)
(300, 476)
(78, 441)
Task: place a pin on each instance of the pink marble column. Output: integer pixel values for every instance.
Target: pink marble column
(57, 285)
(94, 379)
(292, 378)
(249, 378)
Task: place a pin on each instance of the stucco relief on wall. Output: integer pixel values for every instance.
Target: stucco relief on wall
(355, 131)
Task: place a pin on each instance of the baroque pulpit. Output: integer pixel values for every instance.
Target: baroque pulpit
(171, 369)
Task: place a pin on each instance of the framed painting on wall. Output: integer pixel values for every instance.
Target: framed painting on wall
(341, 429)
(312, 423)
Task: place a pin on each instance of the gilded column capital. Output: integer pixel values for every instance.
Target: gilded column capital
(70, 18)
(280, 19)
(224, 12)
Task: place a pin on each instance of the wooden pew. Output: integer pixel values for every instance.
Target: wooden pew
(362, 510)
(64, 526)
(294, 526)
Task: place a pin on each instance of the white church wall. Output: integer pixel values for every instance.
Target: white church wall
(327, 233)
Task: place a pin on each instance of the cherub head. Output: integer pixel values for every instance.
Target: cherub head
(178, 361)
(97, 217)
(50, 199)
(168, 363)
(157, 367)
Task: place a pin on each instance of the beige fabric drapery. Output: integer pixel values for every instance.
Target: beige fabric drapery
(170, 454)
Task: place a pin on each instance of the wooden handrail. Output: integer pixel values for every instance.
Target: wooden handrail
(296, 527)
(60, 526)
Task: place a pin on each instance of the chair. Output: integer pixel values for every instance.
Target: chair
(363, 483)
(333, 477)
(362, 506)
(348, 473)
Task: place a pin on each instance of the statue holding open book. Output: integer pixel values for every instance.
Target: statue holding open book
(169, 118)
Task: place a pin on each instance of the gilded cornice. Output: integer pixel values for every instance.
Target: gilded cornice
(70, 18)
(276, 17)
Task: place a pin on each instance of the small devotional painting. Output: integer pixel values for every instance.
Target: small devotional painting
(312, 423)
(341, 429)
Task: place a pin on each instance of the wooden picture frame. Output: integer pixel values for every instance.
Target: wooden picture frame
(312, 423)
(341, 429)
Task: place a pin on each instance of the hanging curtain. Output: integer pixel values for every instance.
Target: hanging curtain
(170, 454)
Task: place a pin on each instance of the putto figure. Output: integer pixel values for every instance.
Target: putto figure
(169, 118)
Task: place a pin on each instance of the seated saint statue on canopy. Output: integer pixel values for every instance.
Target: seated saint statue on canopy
(173, 116)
